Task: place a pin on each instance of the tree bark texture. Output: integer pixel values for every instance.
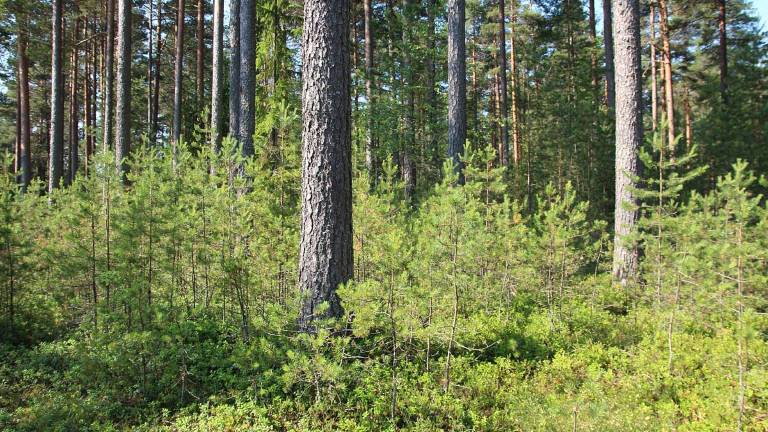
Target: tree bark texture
(234, 68)
(610, 83)
(629, 134)
(123, 100)
(325, 255)
(217, 75)
(457, 85)
(56, 147)
(247, 75)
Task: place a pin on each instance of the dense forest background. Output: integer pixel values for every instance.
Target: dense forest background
(150, 252)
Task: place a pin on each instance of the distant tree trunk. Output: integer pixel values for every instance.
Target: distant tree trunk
(610, 84)
(217, 117)
(668, 86)
(74, 107)
(513, 96)
(234, 69)
(409, 141)
(370, 142)
(109, 55)
(177, 79)
(123, 102)
(87, 96)
(504, 157)
(56, 149)
(200, 58)
(688, 121)
(723, 51)
(23, 155)
(156, 83)
(457, 85)
(592, 40)
(431, 81)
(629, 134)
(325, 254)
(248, 74)
(654, 83)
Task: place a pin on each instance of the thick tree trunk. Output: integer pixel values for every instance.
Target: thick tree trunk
(325, 255)
(234, 69)
(370, 142)
(610, 83)
(629, 134)
(200, 57)
(504, 157)
(668, 86)
(217, 117)
(123, 100)
(457, 85)
(723, 51)
(248, 74)
(23, 155)
(177, 79)
(56, 148)
(109, 55)
(74, 106)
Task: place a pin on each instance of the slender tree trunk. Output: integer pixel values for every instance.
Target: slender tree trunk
(629, 134)
(150, 73)
(74, 106)
(667, 65)
(592, 42)
(234, 69)
(248, 74)
(513, 95)
(23, 155)
(109, 55)
(200, 57)
(457, 85)
(217, 117)
(409, 141)
(688, 121)
(504, 159)
(723, 51)
(123, 100)
(431, 108)
(654, 82)
(156, 83)
(325, 255)
(370, 142)
(610, 83)
(56, 149)
(87, 95)
(177, 79)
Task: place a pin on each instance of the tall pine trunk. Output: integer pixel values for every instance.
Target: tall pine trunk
(457, 85)
(156, 82)
(248, 74)
(74, 106)
(723, 51)
(123, 100)
(504, 157)
(667, 66)
(23, 155)
(200, 57)
(325, 254)
(177, 79)
(234, 69)
(370, 142)
(516, 152)
(217, 75)
(56, 147)
(629, 135)
(109, 97)
(654, 80)
(610, 83)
